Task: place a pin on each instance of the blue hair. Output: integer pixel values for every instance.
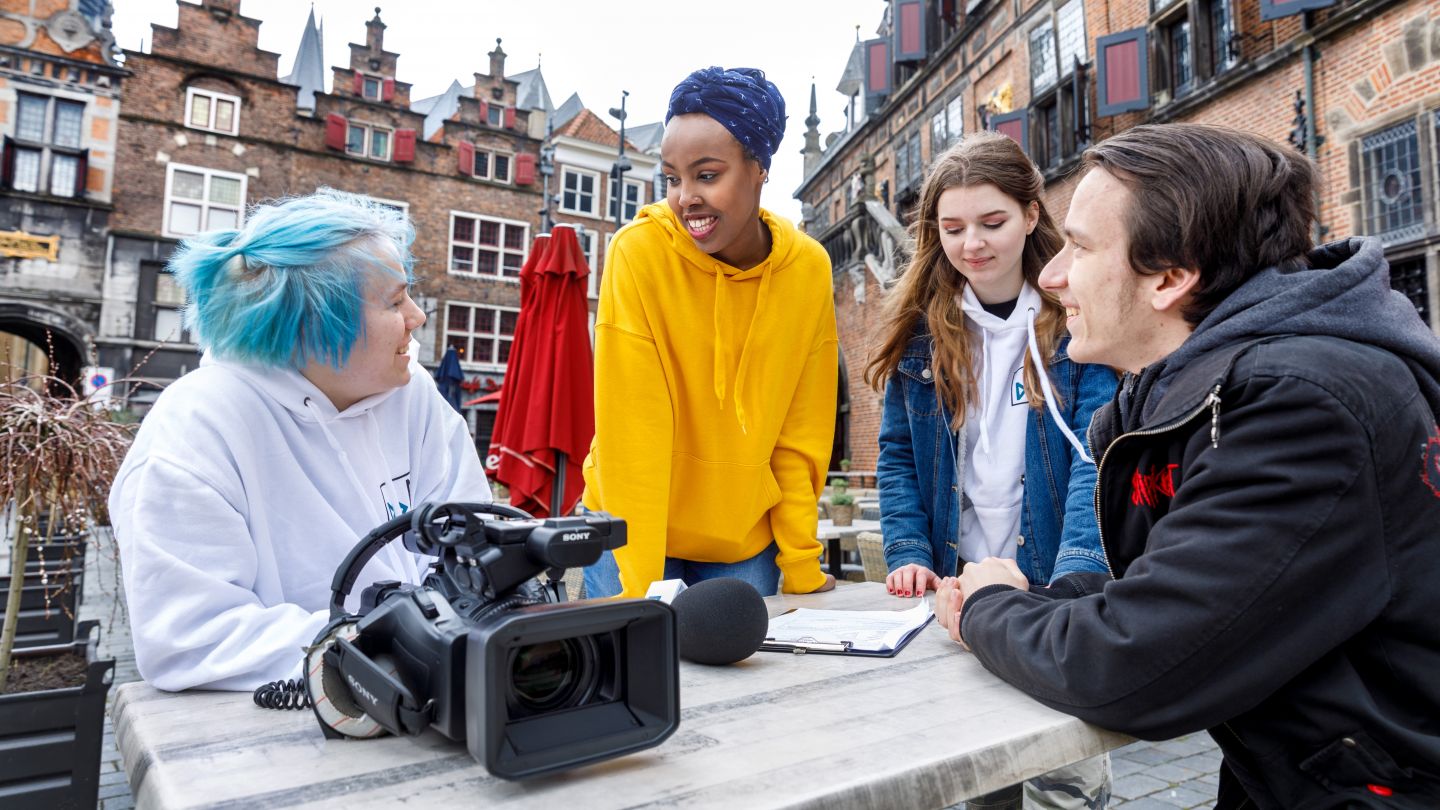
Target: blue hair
(289, 287)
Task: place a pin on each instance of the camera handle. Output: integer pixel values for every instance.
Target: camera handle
(370, 544)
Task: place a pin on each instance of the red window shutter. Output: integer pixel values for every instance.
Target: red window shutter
(404, 145)
(509, 117)
(524, 169)
(465, 157)
(909, 30)
(1122, 81)
(359, 84)
(387, 89)
(335, 128)
(1013, 126)
(877, 66)
(7, 163)
(82, 171)
(484, 113)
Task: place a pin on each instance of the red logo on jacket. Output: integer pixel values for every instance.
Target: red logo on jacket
(1146, 488)
(1430, 462)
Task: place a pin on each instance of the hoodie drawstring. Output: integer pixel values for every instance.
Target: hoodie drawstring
(722, 348)
(1049, 392)
(986, 406)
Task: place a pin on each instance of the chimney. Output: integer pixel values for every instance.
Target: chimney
(497, 61)
(375, 33)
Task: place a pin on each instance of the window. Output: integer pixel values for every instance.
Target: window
(589, 241)
(1394, 198)
(495, 115)
(1061, 115)
(371, 88)
(578, 191)
(1409, 277)
(481, 335)
(485, 246)
(492, 165)
(207, 109)
(1195, 41)
(946, 127)
(45, 155)
(368, 140)
(1224, 45)
(634, 191)
(198, 199)
(158, 305)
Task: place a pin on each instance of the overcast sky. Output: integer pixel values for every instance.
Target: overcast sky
(596, 49)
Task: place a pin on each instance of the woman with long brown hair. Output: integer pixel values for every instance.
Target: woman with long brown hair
(982, 450)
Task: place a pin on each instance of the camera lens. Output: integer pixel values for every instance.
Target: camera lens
(545, 676)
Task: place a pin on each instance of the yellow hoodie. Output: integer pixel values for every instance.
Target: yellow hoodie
(714, 400)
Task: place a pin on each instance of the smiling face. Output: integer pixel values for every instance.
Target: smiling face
(714, 190)
(983, 231)
(1107, 304)
(379, 359)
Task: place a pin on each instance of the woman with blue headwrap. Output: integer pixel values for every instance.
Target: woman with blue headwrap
(309, 422)
(716, 362)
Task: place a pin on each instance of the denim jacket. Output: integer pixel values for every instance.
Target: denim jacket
(920, 493)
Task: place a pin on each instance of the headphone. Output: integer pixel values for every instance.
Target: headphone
(330, 695)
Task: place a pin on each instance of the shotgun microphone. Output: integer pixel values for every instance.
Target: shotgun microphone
(720, 621)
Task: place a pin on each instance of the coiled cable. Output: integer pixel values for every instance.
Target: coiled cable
(289, 694)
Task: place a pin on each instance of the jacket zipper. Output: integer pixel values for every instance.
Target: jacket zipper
(1211, 401)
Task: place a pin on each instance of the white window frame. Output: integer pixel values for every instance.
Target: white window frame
(472, 336)
(488, 156)
(598, 267)
(205, 204)
(370, 130)
(638, 185)
(500, 250)
(365, 79)
(214, 96)
(496, 111)
(595, 195)
(47, 149)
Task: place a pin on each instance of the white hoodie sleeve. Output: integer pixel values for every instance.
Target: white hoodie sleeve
(190, 567)
(449, 467)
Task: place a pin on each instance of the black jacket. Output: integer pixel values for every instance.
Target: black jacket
(1270, 510)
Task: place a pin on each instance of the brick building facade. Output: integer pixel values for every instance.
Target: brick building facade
(1355, 83)
(60, 84)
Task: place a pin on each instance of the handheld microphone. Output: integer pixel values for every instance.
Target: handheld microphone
(720, 621)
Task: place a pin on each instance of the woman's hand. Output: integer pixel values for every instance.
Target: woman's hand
(948, 599)
(911, 580)
(828, 586)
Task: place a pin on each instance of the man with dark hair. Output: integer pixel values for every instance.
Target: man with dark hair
(1269, 485)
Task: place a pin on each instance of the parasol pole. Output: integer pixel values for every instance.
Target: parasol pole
(557, 487)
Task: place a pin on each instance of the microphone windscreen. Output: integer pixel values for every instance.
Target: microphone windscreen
(720, 621)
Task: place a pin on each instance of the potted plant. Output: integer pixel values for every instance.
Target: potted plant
(58, 457)
(842, 503)
(845, 465)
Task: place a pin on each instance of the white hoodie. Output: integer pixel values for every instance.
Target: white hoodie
(995, 430)
(242, 493)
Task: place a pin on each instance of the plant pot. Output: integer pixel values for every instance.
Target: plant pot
(842, 514)
(47, 604)
(50, 739)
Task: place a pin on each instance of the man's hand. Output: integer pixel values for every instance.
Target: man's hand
(911, 580)
(948, 599)
(992, 571)
(828, 586)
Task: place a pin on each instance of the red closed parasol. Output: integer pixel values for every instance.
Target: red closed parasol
(546, 416)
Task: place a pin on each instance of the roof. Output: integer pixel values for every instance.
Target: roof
(587, 126)
(646, 137)
(439, 109)
(308, 72)
(531, 92)
(571, 108)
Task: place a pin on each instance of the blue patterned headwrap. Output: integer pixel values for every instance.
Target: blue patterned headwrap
(748, 105)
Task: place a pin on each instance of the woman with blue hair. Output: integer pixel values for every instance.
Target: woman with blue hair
(309, 422)
(715, 362)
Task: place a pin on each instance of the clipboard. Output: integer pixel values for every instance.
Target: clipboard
(803, 647)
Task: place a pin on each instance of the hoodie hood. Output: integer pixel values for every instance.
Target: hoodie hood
(1343, 293)
(290, 388)
(783, 253)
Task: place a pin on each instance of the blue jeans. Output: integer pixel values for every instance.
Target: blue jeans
(603, 578)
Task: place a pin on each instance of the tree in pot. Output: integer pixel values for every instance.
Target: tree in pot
(842, 503)
(58, 457)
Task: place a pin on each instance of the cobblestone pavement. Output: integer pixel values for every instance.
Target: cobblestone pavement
(1179, 773)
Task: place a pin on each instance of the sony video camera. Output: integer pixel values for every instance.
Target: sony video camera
(486, 653)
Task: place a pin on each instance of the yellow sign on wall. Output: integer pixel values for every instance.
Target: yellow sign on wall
(18, 244)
